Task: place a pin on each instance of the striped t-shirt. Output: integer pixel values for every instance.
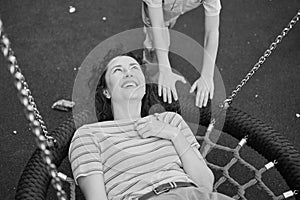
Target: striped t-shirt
(131, 165)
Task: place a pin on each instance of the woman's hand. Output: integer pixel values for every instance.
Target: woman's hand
(151, 126)
(166, 84)
(205, 90)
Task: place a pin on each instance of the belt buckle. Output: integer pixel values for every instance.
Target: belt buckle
(159, 191)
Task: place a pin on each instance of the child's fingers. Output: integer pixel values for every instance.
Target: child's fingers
(174, 92)
(198, 98)
(182, 79)
(164, 94)
(211, 93)
(169, 93)
(202, 97)
(193, 87)
(159, 89)
(205, 100)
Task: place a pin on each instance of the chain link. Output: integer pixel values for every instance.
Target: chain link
(263, 58)
(32, 114)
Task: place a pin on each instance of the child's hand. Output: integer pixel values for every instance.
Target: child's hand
(205, 90)
(166, 84)
(152, 127)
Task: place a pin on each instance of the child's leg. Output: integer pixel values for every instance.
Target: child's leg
(149, 55)
(170, 16)
(149, 50)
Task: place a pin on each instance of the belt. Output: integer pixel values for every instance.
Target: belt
(165, 188)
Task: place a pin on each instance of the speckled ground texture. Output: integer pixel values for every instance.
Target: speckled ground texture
(50, 42)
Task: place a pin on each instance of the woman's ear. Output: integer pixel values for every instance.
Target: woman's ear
(106, 94)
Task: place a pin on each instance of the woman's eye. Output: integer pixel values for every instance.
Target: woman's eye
(135, 67)
(116, 69)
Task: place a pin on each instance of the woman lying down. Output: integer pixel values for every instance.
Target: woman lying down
(128, 155)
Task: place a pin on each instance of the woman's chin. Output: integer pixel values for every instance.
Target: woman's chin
(135, 96)
(134, 93)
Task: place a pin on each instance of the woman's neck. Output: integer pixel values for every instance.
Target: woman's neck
(129, 110)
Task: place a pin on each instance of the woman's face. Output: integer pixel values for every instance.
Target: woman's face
(125, 79)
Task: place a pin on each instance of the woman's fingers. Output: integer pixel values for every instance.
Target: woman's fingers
(143, 129)
(148, 128)
(145, 132)
(152, 127)
(140, 126)
(142, 121)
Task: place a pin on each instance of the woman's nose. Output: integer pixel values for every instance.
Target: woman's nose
(128, 73)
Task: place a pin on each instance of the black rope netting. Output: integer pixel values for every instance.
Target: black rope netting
(35, 180)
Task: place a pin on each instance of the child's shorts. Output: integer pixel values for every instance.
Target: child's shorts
(172, 9)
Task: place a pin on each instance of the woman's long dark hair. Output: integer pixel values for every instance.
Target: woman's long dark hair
(151, 102)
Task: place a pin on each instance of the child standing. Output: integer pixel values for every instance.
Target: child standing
(158, 16)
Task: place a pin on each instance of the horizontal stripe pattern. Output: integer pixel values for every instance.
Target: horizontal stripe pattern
(131, 165)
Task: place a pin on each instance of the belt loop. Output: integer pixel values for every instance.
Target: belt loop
(172, 184)
(175, 185)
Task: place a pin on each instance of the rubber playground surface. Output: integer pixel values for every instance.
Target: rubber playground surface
(50, 43)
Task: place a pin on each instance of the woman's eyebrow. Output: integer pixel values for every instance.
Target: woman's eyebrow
(116, 66)
(131, 64)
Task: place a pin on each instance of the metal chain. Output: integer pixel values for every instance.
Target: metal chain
(224, 105)
(49, 139)
(36, 122)
(8, 52)
(263, 58)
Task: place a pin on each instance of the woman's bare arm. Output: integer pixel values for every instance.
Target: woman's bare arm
(193, 163)
(93, 187)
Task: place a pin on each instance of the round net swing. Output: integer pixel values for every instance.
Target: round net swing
(41, 168)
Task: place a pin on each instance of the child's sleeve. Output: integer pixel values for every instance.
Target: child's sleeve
(84, 154)
(212, 7)
(153, 3)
